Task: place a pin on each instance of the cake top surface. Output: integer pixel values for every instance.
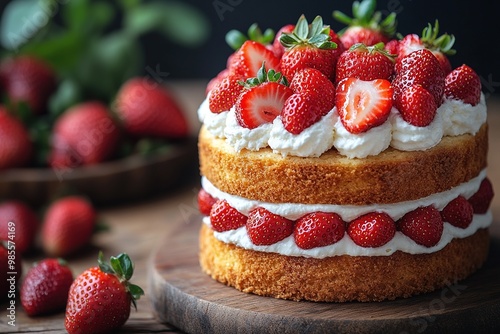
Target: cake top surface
(307, 89)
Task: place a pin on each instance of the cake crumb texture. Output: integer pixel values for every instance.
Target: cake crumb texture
(390, 177)
(341, 278)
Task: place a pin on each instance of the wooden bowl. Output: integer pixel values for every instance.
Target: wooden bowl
(133, 178)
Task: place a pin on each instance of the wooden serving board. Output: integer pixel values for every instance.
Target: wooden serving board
(182, 295)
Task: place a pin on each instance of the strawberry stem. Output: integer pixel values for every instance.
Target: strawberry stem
(263, 75)
(123, 268)
(316, 34)
(443, 43)
(235, 38)
(364, 15)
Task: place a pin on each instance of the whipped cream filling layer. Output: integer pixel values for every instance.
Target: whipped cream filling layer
(346, 246)
(453, 118)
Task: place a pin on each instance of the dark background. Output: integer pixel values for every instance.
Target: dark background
(475, 24)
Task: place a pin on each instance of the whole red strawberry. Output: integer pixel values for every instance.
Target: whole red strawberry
(266, 228)
(481, 200)
(15, 143)
(458, 212)
(363, 105)
(149, 109)
(24, 222)
(224, 95)
(314, 97)
(372, 229)
(205, 202)
(417, 106)
(29, 80)
(85, 134)
(45, 287)
(423, 225)
(318, 229)
(463, 84)
(365, 63)
(301, 110)
(10, 269)
(224, 217)
(419, 67)
(366, 26)
(216, 80)
(68, 226)
(309, 46)
(99, 299)
(440, 46)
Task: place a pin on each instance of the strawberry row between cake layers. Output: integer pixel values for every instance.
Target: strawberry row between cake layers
(346, 246)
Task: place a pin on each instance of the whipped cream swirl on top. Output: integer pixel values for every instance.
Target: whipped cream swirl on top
(453, 118)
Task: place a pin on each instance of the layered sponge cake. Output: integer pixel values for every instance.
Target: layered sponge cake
(335, 170)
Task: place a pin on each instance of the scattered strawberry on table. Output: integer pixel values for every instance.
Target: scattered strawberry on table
(45, 287)
(100, 298)
(24, 222)
(68, 226)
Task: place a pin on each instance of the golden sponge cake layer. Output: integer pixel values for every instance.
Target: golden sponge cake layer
(341, 278)
(392, 176)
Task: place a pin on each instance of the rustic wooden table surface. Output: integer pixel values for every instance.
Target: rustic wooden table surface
(137, 228)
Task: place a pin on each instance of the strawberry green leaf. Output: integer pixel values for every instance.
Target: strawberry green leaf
(235, 39)
(135, 292)
(103, 265)
(302, 28)
(126, 265)
(117, 268)
(176, 20)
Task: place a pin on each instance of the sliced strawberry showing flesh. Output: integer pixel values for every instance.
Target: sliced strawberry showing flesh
(266, 228)
(363, 105)
(249, 58)
(224, 217)
(423, 225)
(481, 200)
(458, 212)
(261, 104)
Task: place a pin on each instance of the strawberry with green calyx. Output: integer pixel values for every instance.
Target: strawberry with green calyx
(263, 98)
(235, 38)
(309, 46)
(365, 63)
(440, 46)
(99, 299)
(366, 26)
(278, 48)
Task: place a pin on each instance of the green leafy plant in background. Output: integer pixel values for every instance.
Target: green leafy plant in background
(92, 52)
(94, 46)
